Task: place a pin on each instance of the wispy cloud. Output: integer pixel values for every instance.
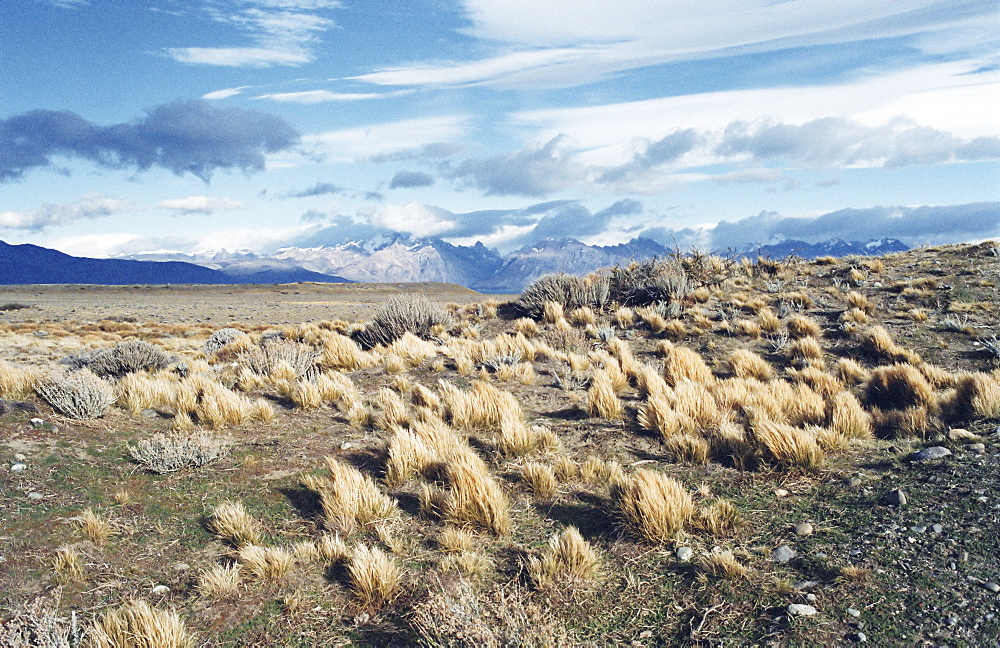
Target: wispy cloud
(386, 139)
(410, 180)
(282, 33)
(318, 189)
(184, 137)
(199, 204)
(89, 207)
(537, 171)
(326, 96)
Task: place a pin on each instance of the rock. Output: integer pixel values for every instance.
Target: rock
(811, 597)
(993, 587)
(804, 529)
(149, 413)
(35, 496)
(160, 590)
(854, 612)
(895, 497)
(781, 492)
(978, 448)
(37, 423)
(931, 453)
(181, 567)
(854, 482)
(804, 585)
(937, 528)
(918, 529)
(951, 620)
(783, 554)
(684, 553)
(800, 609)
(20, 457)
(18, 467)
(959, 434)
(860, 637)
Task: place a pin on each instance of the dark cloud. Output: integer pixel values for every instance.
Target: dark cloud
(574, 220)
(836, 141)
(318, 189)
(188, 136)
(662, 151)
(313, 216)
(912, 225)
(535, 171)
(374, 195)
(410, 179)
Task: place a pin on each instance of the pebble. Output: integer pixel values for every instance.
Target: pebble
(978, 448)
(931, 453)
(959, 434)
(161, 590)
(918, 529)
(860, 637)
(684, 553)
(20, 457)
(854, 612)
(801, 609)
(937, 528)
(149, 413)
(34, 496)
(854, 481)
(951, 620)
(993, 587)
(804, 585)
(781, 492)
(18, 467)
(803, 529)
(181, 567)
(37, 423)
(783, 554)
(895, 497)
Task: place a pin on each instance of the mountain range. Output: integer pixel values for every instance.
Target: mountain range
(386, 258)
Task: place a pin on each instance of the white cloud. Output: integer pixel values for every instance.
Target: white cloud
(95, 246)
(350, 144)
(415, 218)
(91, 206)
(240, 56)
(121, 243)
(199, 204)
(224, 94)
(323, 96)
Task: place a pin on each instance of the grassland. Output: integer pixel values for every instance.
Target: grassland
(577, 472)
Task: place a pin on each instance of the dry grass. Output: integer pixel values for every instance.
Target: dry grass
(568, 557)
(68, 565)
(17, 381)
(374, 575)
(266, 563)
(687, 448)
(723, 564)
(219, 581)
(787, 445)
(800, 326)
(96, 528)
(139, 625)
(232, 523)
(898, 387)
(744, 363)
(540, 478)
(349, 498)
(602, 401)
(718, 518)
(682, 363)
(652, 504)
(474, 497)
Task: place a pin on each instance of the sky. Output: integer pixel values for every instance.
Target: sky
(131, 127)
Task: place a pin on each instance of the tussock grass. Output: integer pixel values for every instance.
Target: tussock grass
(219, 580)
(878, 342)
(68, 565)
(848, 417)
(718, 518)
(744, 363)
(17, 381)
(484, 406)
(800, 326)
(232, 522)
(787, 445)
(97, 529)
(652, 504)
(568, 557)
(474, 497)
(602, 401)
(540, 478)
(898, 387)
(139, 625)
(687, 448)
(349, 498)
(374, 575)
(723, 564)
(682, 363)
(266, 563)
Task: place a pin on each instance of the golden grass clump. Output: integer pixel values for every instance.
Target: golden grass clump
(552, 312)
(652, 504)
(306, 395)
(848, 417)
(804, 406)
(468, 563)
(657, 414)
(527, 327)
(723, 564)
(68, 565)
(456, 540)
(349, 498)
(683, 363)
(139, 390)
(374, 575)
(976, 394)
(474, 497)
(851, 372)
(409, 456)
(857, 300)
(602, 401)
(17, 381)
(787, 445)
(898, 387)
(768, 320)
(624, 317)
(687, 448)
(749, 328)
(540, 478)
(568, 557)
(718, 518)
(341, 352)
(231, 522)
(583, 316)
(800, 326)
(806, 348)
(902, 423)
(266, 563)
(137, 624)
(853, 316)
(878, 342)
(96, 528)
(744, 363)
(390, 410)
(484, 406)
(516, 438)
(219, 581)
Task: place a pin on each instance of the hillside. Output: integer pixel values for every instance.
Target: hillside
(700, 451)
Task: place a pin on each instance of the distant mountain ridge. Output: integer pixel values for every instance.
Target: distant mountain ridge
(386, 258)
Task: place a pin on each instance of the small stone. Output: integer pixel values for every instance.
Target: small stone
(978, 448)
(149, 413)
(684, 553)
(821, 555)
(18, 467)
(854, 612)
(959, 434)
(181, 567)
(918, 529)
(37, 423)
(161, 590)
(993, 587)
(804, 585)
(937, 528)
(860, 637)
(854, 481)
(783, 554)
(951, 620)
(963, 557)
(646, 634)
(346, 445)
(781, 492)
(811, 597)
(35, 496)
(804, 529)
(800, 609)
(895, 497)
(931, 453)
(20, 457)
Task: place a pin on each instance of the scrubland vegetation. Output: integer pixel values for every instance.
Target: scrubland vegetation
(603, 460)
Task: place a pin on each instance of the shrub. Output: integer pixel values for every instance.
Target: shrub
(77, 394)
(164, 454)
(139, 625)
(648, 282)
(412, 313)
(38, 623)
(221, 338)
(271, 356)
(567, 291)
(653, 504)
(128, 357)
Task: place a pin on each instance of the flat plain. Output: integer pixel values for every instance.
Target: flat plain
(692, 451)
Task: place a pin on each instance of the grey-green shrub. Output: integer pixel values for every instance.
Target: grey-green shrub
(221, 338)
(412, 313)
(642, 283)
(77, 394)
(163, 453)
(264, 359)
(129, 357)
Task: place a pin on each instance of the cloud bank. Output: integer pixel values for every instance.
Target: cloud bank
(89, 207)
(188, 136)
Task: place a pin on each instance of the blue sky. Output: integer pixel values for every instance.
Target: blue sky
(131, 127)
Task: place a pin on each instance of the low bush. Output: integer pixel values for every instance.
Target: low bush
(400, 315)
(77, 394)
(163, 454)
(128, 357)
